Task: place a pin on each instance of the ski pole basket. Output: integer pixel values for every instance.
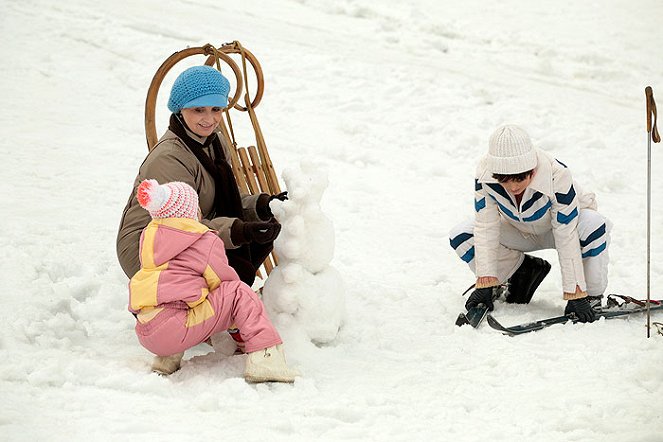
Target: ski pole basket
(251, 164)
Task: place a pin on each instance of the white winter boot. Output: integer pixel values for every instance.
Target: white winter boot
(268, 365)
(165, 365)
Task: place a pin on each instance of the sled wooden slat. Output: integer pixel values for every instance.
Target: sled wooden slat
(268, 265)
(248, 171)
(258, 170)
(267, 165)
(235, 163)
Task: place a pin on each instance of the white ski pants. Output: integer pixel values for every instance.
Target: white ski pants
(593, 232)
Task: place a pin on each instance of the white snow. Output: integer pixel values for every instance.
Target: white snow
(396, 100)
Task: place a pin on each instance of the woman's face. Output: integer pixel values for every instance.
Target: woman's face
(202, 121)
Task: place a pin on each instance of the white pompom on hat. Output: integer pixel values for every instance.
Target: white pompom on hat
(170, 200)
(510, 151)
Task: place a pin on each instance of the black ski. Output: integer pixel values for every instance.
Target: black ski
(601, 312)
(473, 317)
(476, 315)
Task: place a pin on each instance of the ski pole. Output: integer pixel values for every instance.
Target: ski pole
(652, 134)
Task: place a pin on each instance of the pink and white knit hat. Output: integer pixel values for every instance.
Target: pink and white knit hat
(170, 200)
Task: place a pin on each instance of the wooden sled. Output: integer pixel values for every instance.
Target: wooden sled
(252, 166)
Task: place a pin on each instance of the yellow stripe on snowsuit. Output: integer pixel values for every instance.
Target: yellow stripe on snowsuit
(203, 295)
(148, 313)
(213, 280)
(144, 284)
(147, 252)
(199, 313)
(184, 224)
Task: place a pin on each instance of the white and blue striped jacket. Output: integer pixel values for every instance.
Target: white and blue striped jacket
(552, 201)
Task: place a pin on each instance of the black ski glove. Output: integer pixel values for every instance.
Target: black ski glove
(581, 309)
(481, 296)
(245, 232)
(262, 205)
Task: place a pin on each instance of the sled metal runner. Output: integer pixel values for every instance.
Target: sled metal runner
(607, 313)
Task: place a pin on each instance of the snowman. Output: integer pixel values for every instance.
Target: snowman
(304, 292)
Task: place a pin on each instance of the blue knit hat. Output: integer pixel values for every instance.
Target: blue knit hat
(199, 86)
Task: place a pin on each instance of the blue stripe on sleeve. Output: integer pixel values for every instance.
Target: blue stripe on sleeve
(566, 198)
(565, 219)
(478, 205)
(596, 234)
(458, 240)
(594, 252)
(467, 257)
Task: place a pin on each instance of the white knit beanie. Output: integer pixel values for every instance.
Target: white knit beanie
(510, 151)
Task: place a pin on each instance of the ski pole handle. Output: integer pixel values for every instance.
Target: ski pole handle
(651, 115)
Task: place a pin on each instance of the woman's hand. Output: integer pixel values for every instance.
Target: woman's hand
(262, 206)
(245, 232)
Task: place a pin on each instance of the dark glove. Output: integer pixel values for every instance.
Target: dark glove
(262, 205)
(481, 296)
(245, 232)
(581, 309)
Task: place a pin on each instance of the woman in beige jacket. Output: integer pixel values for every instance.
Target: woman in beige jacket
(192, 152)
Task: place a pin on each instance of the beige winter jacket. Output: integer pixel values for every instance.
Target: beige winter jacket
(171, 160)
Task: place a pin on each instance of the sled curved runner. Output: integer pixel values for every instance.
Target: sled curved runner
(251, 165)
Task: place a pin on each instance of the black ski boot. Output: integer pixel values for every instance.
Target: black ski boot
(526, 279)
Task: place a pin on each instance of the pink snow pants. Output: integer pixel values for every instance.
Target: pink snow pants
(233, 302)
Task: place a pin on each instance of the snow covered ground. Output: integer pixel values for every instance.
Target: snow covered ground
(396, 100)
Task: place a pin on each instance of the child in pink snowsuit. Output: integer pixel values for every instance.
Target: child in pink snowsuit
(185, 291)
